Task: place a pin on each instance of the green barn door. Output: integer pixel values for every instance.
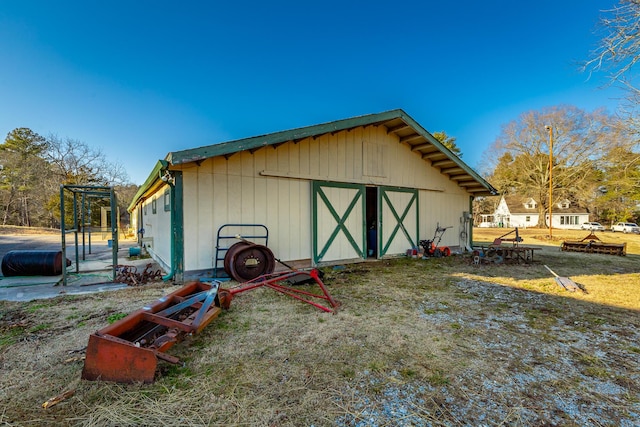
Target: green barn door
(398, 229)
(338, 222)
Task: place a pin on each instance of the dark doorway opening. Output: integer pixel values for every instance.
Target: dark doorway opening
(372, 222)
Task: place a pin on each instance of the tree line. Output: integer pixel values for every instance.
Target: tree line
(32, 169)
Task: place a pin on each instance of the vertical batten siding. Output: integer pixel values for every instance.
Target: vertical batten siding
(234, 197)
(445, 209)
(156, 227)
(222, 191)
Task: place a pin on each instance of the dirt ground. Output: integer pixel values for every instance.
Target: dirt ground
(434, 342)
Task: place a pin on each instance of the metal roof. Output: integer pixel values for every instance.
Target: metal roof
(396, 121)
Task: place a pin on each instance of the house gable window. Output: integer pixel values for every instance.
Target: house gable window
(564, 204)
(530, 204)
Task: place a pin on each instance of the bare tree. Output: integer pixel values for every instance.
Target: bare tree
(75, 162)
(619, 49)
(520, 156)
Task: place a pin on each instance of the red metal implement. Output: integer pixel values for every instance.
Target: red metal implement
(127, 351)
(276, 282)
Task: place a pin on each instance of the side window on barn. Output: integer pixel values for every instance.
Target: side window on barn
(154, 205)
(167, 200)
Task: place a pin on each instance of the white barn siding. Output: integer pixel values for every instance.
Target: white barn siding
(272, 186)
(236, 198)
(444, 209)
(156, 226)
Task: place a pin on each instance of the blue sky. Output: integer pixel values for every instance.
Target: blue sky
(142, 78)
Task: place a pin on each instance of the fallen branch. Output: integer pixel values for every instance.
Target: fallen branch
(59, 398)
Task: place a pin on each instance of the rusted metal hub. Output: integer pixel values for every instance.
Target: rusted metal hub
(246, 261)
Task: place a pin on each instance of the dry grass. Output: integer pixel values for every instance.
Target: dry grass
(610, 280)
(15, 229)
(436, 342)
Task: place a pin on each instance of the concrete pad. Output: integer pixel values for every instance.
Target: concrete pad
(94, 271)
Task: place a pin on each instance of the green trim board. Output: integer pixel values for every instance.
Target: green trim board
(403, 221)
(338, 211)
(177, 223)
(152, 179)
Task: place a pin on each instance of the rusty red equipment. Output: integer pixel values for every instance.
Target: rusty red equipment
(128, 350)
(593, 244)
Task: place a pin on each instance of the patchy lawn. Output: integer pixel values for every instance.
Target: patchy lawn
(437, 342)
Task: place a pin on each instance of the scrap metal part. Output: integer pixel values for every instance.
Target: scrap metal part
(278, 282)
(247, 260)
(129, 274)
(128, 350)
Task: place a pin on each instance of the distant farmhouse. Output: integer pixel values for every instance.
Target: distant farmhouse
(518, 211)
(364, 187)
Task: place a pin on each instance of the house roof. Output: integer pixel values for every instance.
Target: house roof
(516, 206)
(397, 122)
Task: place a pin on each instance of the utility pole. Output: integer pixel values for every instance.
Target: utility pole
(550, 129)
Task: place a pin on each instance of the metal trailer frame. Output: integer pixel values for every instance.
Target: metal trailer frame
(79, 224)
(296, 276)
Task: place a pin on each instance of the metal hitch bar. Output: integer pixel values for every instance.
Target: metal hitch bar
(276, 282)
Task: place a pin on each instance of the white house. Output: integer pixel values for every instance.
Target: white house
(317, 194)
(517, 211)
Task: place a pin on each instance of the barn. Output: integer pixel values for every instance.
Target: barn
(366, 187)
